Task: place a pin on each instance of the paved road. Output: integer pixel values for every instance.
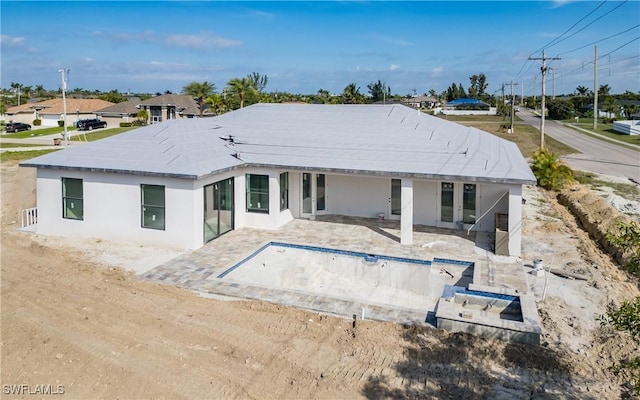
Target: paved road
(596, 155)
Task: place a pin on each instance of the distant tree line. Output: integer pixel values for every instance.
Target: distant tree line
(243, 91)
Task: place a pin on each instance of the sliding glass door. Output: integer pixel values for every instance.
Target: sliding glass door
(218, 209)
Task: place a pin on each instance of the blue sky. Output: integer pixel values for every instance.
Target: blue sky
(154, 46)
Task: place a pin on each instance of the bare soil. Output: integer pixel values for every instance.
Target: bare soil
(70, 318)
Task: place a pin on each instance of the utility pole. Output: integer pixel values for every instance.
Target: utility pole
(595, 89)
(553, 83)
(63, 72)
(543, 107)
(513, 106)
(384, 93)
(502, 105)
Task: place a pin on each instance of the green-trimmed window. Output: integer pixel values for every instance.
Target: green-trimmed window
(284, 191)
(153, 209)
(257, 193)
(72, 199)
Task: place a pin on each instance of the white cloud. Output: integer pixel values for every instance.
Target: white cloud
(393, 67)
(125, 37)
(391, 40)
(7, 40)
(200, 41)
(437, 71)
(560, 3)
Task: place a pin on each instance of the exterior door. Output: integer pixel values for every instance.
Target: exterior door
(457, 204)
(218, 209)
(314, 194)
(395, 203)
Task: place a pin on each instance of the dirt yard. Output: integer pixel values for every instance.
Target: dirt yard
(76, 325)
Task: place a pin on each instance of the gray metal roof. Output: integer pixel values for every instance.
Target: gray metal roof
(388, 140)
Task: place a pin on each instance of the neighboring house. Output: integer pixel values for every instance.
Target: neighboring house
(182, 183)
(420, 101)
(467, 106)
(169, 106)
(125, 111)
(51, 111)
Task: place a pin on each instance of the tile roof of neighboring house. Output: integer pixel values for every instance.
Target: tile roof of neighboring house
(181, 101)
(123, 108)
(55, 106)
(377, 140)
(418, 99)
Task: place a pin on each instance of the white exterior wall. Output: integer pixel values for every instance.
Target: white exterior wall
(112, 205)
(275, 218)
(360, 196)
(112, 209)
(425, 204)
(488, 195)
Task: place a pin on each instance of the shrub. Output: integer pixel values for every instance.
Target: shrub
(627, 237)
(550, 172)
(139, 122)
(125, 124)
(60, 123)
(626, 318)
(37, 122)
(560, 109)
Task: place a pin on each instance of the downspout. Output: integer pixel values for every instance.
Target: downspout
(487, 212)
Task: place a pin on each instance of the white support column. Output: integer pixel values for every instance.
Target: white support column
(240, 201)
(274, 199)
(515, 220)
(406, 214)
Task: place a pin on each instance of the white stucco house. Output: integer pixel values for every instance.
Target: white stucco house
(182, 183)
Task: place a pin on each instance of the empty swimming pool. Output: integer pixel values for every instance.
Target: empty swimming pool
(363, 279)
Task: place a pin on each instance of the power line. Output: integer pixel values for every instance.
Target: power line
(591, 23)
(562, 37)
(603, 56)
(573, 26)
(598, 41)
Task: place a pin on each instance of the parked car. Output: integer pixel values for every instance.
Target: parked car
(17, 127)
(90, 124)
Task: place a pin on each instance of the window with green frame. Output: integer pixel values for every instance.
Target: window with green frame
(72, 199)
(257, 193)
(153, 206)
(284, 191)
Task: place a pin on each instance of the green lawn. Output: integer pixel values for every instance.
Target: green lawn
(90, 136)
(13, 145)
(23, 155)
(525, 136)
(605, 130)
(37, 132)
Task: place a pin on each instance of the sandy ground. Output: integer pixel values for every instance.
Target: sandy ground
(72, 321)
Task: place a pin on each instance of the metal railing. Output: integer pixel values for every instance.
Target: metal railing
(29, 217)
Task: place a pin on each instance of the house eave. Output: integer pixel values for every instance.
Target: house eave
(386, 174)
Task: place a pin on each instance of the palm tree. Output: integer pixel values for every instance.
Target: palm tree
(582, 91)
(630, 109)
(259, 81)
(351, 94)
(241, 88)
(604, 90)
(199, 91)
(39, 90)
